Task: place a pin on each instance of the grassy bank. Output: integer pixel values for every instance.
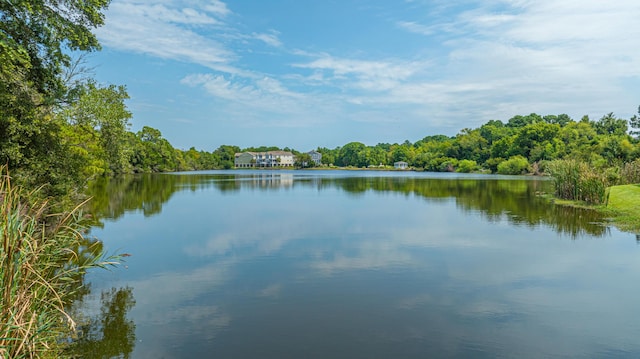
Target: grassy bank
(613, 190)
(624, 206)
(43, 258)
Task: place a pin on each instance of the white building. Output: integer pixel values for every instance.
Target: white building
(400, 165)
(264, 159)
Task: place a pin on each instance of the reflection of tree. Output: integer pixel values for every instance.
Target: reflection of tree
(111, 335)
(517, 200)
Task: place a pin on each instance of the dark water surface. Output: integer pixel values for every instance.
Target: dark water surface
(331, 264)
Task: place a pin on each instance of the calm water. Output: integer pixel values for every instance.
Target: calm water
(297, 264)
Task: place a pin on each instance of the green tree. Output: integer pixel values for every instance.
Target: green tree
(402, 152)
(610, 125)
(534, 139)
(303, 160)
(521, 121)
(349, 155)
(634, 123)
(328, 155)
(580, 140)
(154, 153)
(562, 119)
(101, 113)
(34, 38)
(493, 131)
(469, 144)
(227, 155)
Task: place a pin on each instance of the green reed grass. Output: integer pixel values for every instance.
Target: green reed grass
(40, 272)
(578, 181)
(630, 173)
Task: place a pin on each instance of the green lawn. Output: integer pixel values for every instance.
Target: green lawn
(625, 202)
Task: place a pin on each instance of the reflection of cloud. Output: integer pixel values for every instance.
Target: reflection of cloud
(271, 291)
(413, 302)
(165, 289)
(369, 260)
(165, 300)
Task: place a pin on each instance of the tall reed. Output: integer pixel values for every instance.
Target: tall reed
(578, 181)
(42, 262)
(630, 173)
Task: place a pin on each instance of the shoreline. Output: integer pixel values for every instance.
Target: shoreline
(622, 207)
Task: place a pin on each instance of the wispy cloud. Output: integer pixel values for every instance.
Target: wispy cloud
(543, 56)
(269, 39)
(167, 30)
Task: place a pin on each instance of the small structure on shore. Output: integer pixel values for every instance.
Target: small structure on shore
(400, 165)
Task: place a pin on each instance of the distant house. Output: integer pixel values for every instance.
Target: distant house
(244, 159)
(264, 159)
(316, 157)
(400, 165)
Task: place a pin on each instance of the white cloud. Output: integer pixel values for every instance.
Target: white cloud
(217, 7)
(363, 75)
(269, 39)
(165, 31)
(511, 57)
(485, 60)
(414, 27)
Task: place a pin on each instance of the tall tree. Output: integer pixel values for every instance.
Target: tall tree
(610, 125)
(634, 123)
(101, 113)
(34, 37)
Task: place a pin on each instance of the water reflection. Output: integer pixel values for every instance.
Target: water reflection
(315, 265)
(496, 198)
(109, 334)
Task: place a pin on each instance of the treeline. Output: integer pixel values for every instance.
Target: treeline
(523, 144)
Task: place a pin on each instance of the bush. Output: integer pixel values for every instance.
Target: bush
(492, 163)
(467, 166)
(515, 165)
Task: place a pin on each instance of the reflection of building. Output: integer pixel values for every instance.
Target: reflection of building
(264, 159)
(400, 165)
(316, 157)
(269, 180)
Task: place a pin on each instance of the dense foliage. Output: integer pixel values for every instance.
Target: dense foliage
(524, 144)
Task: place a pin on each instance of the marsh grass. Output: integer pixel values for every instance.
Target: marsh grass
(43, 258)
(630, 172)
(577, 181)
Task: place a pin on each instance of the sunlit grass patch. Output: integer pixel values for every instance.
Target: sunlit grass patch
(625, 202)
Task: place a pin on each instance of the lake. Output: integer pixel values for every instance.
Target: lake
(356, 264)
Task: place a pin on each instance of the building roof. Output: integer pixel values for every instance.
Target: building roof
(273, 153)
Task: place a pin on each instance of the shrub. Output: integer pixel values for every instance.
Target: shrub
(515, 165)
(492, 163)
(466, 166)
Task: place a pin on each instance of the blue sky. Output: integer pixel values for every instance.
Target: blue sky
(311, 73)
